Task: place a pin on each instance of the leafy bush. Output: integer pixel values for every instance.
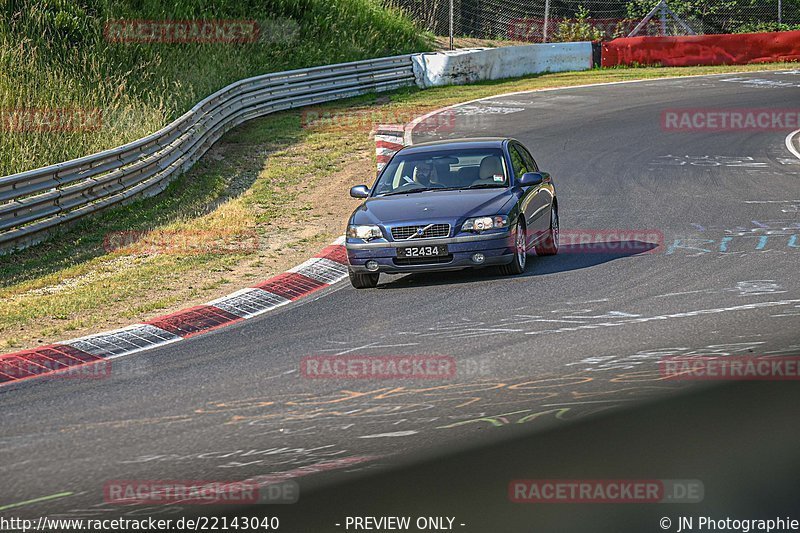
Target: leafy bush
(578, 29)
(759, 27)
(722, 16)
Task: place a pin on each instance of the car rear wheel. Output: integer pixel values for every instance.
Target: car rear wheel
(517, 265)
(364, 280)
(550, 245)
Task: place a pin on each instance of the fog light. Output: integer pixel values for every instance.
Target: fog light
(478, 258)
(372, 265)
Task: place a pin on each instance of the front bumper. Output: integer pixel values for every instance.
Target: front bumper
(497, 248)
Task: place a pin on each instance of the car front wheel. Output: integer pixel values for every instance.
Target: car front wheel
(517, 265)
(550, 245)
(364, 280)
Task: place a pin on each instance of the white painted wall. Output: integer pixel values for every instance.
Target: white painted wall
(459, 67)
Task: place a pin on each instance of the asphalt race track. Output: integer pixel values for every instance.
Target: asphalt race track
(578, 335)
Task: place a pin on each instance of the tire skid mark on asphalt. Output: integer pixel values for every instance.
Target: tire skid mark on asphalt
(601, 363)
(407, 404)
(565, 403)
(36, 500)
(683, 314)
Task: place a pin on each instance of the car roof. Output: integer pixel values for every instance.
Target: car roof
(474, 142)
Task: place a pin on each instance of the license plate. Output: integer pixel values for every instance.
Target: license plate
(422, 251)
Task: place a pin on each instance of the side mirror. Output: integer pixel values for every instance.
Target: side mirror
(533, 178)
(359, 191)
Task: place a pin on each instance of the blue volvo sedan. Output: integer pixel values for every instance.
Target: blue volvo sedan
(454, 204)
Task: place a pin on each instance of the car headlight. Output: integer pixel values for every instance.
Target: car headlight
(364, 232)
(485, 223)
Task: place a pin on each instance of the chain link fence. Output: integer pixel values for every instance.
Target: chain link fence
(575, 20)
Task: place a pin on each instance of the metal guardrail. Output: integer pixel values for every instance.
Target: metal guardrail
(36, 201)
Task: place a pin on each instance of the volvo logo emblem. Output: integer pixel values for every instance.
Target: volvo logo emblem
(420, 232)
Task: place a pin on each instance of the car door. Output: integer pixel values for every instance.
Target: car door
(542, 199)
(529, 202)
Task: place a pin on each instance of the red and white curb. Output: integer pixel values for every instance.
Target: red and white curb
(326, 268)
(388, 140)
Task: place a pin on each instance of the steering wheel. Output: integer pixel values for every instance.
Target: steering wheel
(417, 185)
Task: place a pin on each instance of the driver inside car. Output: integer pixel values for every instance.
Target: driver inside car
(424, 174)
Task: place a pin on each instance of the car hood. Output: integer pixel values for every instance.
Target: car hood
(432, 206)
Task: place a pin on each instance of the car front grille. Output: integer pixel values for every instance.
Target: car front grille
(400, 233)
(409, 261)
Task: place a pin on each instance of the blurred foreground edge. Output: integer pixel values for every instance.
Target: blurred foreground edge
(740, 440)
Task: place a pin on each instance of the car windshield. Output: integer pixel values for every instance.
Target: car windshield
(443, 170)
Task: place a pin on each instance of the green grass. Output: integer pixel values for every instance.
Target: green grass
(53, 55)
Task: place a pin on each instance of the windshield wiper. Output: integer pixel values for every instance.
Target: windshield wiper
(406, 192)
(486, 186)
(423, 189)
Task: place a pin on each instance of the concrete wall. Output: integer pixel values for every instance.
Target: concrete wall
(468, 66)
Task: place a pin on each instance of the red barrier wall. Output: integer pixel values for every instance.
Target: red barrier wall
(727, 49)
